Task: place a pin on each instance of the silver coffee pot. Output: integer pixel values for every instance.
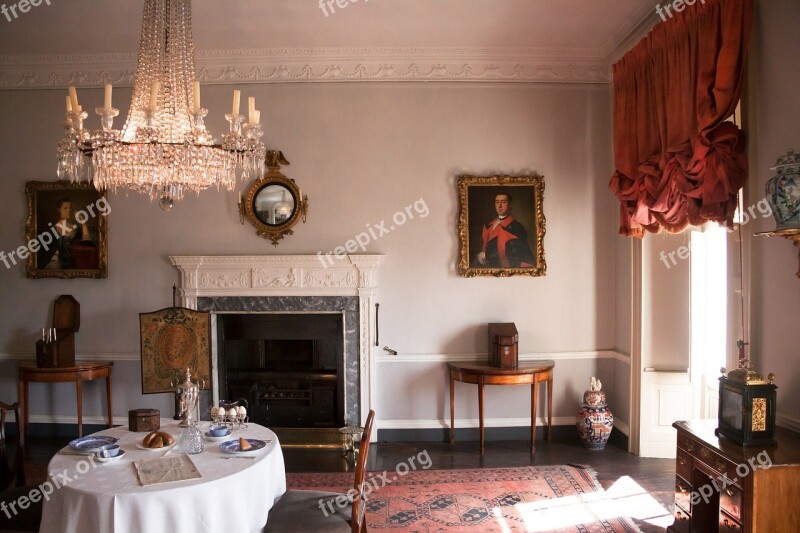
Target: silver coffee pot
(187, 392)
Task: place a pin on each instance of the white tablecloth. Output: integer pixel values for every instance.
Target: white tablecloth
(233, 496)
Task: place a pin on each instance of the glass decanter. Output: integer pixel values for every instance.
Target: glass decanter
(191, 440)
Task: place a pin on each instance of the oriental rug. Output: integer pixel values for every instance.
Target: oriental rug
(560, 498)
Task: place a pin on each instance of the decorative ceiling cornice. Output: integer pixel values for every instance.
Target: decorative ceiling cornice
(295, 65)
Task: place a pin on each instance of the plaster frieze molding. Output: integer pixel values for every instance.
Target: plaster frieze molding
(293, 65)
(277, 275)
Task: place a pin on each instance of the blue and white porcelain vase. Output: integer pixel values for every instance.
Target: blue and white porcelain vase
(595, 420)
(783, 191)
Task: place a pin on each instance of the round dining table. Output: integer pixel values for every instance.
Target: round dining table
(234, 493)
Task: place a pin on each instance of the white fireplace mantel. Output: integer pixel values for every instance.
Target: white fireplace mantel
(291, 275)
(276, 275)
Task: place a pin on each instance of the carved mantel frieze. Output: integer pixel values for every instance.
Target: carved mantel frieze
(277, 275)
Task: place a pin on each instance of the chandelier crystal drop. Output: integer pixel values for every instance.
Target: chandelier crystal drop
(164, 149)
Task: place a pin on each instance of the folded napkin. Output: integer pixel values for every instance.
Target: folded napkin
(166, 470)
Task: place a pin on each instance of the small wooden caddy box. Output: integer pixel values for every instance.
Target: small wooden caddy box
(144, 419)
(60, 353)
(503, 345)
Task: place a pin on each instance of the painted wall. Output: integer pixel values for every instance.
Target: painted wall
(776, 289)
(361, 152)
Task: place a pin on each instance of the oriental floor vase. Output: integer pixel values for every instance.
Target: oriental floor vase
(594, 420)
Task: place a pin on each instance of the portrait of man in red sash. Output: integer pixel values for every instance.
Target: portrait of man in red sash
(505, 240)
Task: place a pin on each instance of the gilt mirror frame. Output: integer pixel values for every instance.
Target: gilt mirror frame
(273, 176)
(486, 234)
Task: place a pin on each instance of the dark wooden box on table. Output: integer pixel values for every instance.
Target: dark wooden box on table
(503, 345)
(60, 352)
(144, 419)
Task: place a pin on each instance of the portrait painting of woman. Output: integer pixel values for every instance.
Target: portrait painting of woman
(66, 230)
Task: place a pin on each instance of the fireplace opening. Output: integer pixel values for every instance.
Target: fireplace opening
(289, 367)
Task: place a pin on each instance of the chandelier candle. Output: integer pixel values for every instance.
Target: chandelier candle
(73, 98)
(237, 94)
(196, 94)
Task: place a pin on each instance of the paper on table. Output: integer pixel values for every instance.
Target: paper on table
(166, 470)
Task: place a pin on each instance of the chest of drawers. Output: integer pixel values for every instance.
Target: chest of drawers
(722, 486)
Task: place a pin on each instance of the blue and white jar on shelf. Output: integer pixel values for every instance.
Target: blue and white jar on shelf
(595, 420)
(783, 191)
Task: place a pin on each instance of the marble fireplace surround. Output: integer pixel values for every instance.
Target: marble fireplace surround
(291, 284)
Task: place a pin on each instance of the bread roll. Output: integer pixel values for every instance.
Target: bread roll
(168, 439)
(148, 439)
(157, 442)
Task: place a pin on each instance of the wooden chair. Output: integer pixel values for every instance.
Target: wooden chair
(12, 481)
(307, 510)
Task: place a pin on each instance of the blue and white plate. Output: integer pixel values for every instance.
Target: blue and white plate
(90, 444)
(232, 446)
(212, 438)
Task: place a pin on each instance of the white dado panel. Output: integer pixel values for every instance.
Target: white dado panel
(291, 275)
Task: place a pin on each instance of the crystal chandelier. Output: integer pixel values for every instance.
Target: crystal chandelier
(164, 149)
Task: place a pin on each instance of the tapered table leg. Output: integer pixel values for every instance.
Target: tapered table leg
(480, 410)
(108, 401)
(452, 410)
(79, 390)
(550, 410)
(534, 395)
(23, 397)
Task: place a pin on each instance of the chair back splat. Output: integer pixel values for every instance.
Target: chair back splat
(12, 474)
(358, 521)
(304, 511)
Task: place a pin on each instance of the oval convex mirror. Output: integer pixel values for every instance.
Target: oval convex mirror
(273, 203)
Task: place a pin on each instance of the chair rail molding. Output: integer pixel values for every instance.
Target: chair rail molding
(483, 357)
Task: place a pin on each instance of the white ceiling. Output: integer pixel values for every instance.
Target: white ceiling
(556, 31)
(102, 26)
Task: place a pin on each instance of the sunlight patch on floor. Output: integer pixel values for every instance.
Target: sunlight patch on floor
(625, 498)
(500, 519)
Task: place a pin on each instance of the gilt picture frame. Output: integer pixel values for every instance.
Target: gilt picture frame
(66, 231)
(501, 226)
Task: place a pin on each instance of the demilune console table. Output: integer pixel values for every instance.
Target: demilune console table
(82, 371)
(527, 372)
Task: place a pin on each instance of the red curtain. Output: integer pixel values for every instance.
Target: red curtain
(678, 160)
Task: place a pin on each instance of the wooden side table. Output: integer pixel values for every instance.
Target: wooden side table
(82, 371)
(528, 372)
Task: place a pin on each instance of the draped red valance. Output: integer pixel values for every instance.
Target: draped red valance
(678, 160)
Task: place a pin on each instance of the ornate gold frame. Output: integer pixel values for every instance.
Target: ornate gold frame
(464, 183)
(273, 176)
(33, 189)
